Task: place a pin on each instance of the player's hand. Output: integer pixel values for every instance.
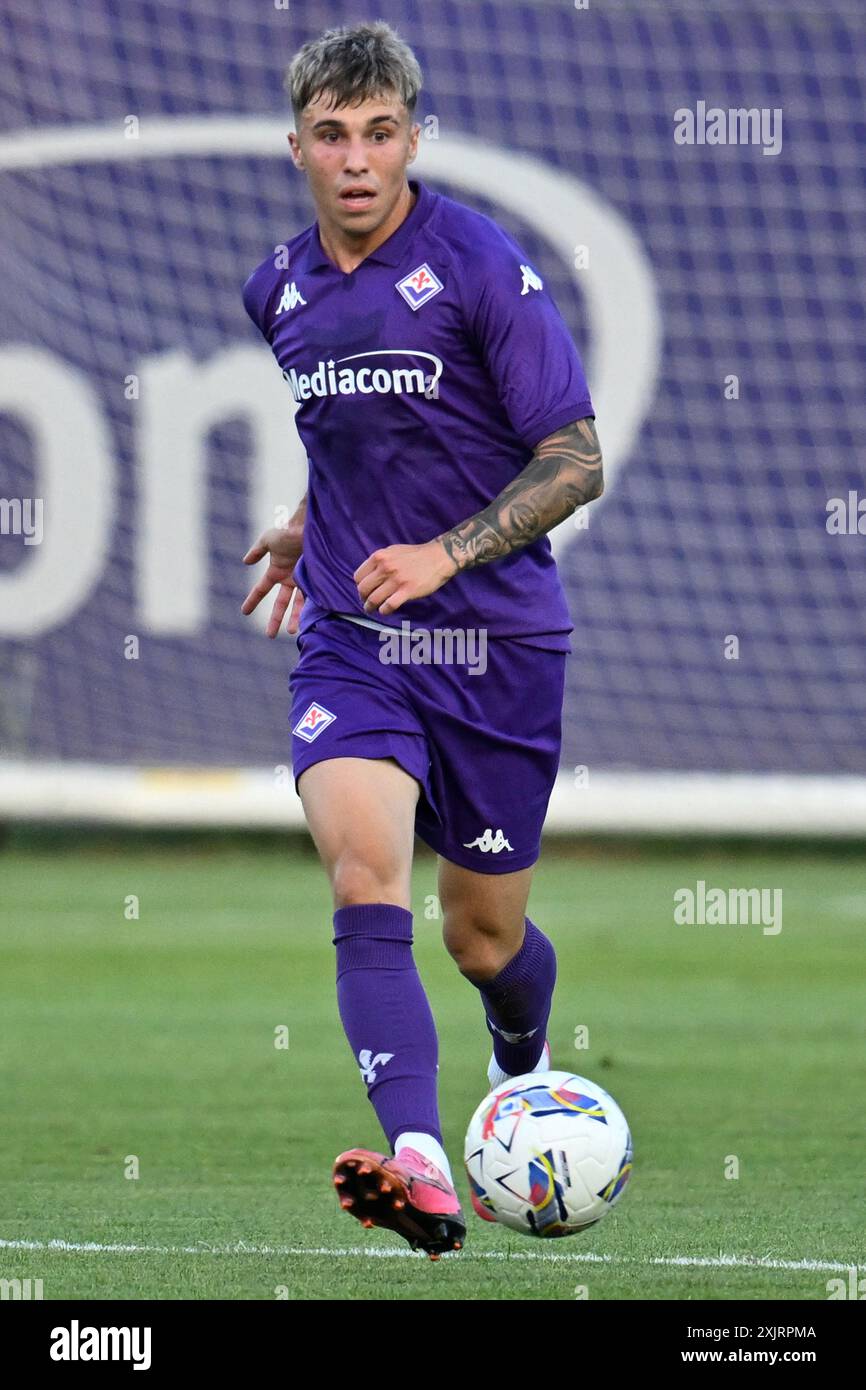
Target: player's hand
(398, 573)
(284, 549)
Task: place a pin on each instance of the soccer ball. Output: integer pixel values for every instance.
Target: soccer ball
(548, 1153)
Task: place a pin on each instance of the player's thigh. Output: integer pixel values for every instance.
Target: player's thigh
(483, 915)
(361, 815)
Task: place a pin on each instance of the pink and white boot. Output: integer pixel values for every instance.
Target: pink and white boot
(407, 1194)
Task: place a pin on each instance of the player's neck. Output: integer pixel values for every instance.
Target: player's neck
(347, 252)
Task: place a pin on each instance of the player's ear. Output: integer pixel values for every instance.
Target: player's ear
(295, 150)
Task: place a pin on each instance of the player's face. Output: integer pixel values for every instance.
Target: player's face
(355, 158)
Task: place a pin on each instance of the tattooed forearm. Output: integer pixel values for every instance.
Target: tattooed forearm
(564, 472)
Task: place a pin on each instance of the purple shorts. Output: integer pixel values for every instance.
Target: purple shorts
(484, 746)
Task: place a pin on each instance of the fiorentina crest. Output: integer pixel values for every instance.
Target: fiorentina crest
(313, 722)
(419, 286)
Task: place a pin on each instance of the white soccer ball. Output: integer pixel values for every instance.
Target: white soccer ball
(548, 1153)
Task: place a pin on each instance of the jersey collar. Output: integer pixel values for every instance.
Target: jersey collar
(391, 251)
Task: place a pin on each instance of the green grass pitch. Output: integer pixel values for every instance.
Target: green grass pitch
(154, 1038)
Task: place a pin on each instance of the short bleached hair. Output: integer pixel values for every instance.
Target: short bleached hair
(352, 65)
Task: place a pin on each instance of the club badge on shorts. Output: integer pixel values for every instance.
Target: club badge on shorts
(313, 722)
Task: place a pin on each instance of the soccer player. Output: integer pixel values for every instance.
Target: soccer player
(448, 427)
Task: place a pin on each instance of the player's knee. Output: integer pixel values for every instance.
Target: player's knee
(356, 880)
(480, 946)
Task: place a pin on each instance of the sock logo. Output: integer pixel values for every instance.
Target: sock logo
(514, 1038)
(368, 1063)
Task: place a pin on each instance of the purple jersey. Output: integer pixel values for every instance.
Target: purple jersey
(423, 380)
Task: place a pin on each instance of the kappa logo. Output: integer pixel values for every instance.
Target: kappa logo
(489, 843)
(313, 722)
(292, 297)
(368, 1063)
(419, 286)
(531, 281)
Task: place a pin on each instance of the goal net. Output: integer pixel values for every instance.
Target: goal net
(709, 263)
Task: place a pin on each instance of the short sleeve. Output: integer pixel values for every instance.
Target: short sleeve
(256, 293)
(524, 341)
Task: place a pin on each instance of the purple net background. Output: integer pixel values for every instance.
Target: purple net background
(717, 523)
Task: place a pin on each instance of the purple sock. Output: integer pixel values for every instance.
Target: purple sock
(386, 1016)
(517, 1003)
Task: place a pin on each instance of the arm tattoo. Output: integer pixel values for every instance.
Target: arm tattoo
(564, 472)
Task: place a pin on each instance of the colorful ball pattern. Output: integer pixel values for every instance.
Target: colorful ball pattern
(548, 1154)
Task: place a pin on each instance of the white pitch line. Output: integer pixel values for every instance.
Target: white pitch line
(91, 1247)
